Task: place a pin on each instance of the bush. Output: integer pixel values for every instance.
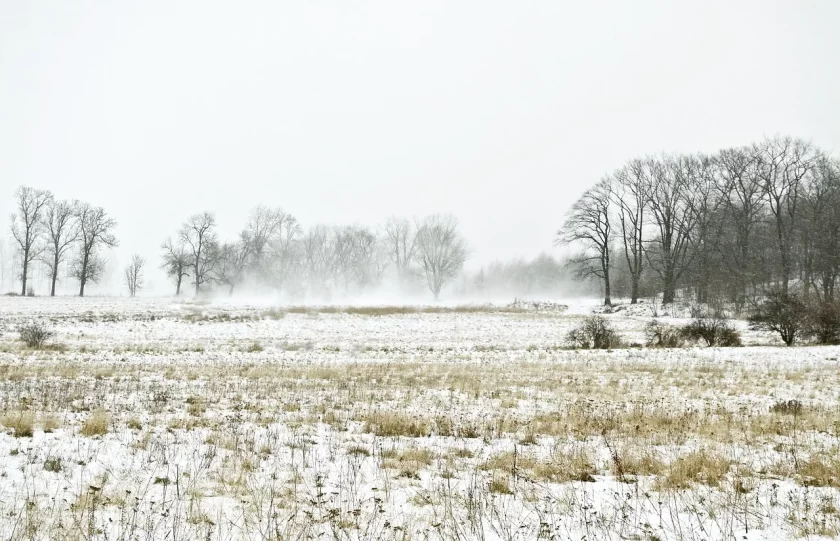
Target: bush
(787, 407)
(713, 328)
(35, 335)
(823, 323)
(593, 333)
(781, 313)
(659, 335)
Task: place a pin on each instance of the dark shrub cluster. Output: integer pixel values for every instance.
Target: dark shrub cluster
(713, 330)
(781, 313)
(594, 333)
(823, 322)
(660, 335)
(794, 320)
(35, 335)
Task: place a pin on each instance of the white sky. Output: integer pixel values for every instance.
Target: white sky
(348, 111)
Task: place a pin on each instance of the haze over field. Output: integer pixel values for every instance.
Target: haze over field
(499, 113)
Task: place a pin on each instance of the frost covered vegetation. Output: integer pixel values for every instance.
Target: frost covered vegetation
(152, 420)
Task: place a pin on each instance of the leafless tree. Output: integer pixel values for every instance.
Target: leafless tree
(133, 274)
(176, 262)
(231, 265)
(283, 251)
(705, 204)
(783, 166)
(671, 190)
(62, 232)
(265, 239)
(588, 225)
(27, 226)
(96, 231)
(819, 230)
(362, 256)
(630, 198)
(317, 257)
(440, 251)
(400, 245)
(743, 207)
(198, 234)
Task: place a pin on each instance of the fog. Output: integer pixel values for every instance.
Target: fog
(500, 114)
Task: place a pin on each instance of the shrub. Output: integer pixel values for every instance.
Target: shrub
(711, 327)
(823, 322)
(593, 333)
(713, 330)
(35, 335)
(787, 407)
(783, 313)
(659, 335)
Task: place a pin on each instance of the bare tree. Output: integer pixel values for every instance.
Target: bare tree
(440, 251)
(588, 225)
(629, 196)
(743, 206)
(783, 165)
(95, 232)
(400, 245)
(363, 257)
(198, 234)
(705, 204)
(62, 231)
(819, 230)
(317, 257)
(670, 192)
(133, 274)
(27, 226)
(231, 265)
(266, 230)
(176, 262)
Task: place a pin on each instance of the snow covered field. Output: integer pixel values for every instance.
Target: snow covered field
(148, 419)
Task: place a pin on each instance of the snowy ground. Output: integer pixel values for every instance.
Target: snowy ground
(159, 420)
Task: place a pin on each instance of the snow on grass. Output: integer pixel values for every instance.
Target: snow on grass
(157, 419)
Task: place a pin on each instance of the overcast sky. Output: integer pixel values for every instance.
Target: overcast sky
(348, 111)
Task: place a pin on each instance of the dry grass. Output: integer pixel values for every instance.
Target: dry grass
(703, 466)
(487, 431)
(821, 470)
(392, 425)
(96, 424)
(21, 423)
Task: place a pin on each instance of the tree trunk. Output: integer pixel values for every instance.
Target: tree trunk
(607, 291)
(23, 274)
(54, 274)
(634, 289)
(669, 292)
(197, 281)
(669, 288)
(83, 278)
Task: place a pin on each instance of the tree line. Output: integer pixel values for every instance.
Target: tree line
(728, 226)
(273, 250)
(55, 231)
